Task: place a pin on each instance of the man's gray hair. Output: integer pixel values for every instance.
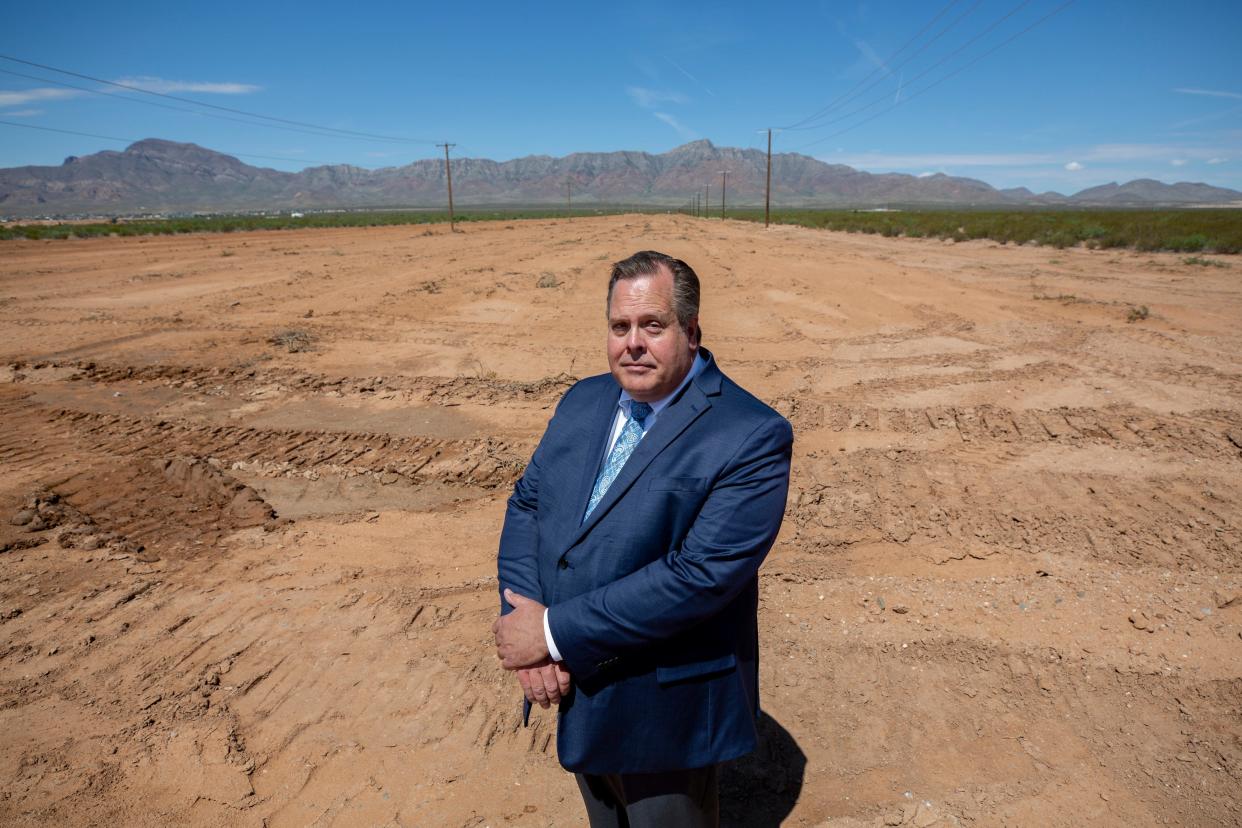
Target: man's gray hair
(648, 263)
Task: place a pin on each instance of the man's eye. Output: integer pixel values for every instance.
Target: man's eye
(654, 327)
(619, 329)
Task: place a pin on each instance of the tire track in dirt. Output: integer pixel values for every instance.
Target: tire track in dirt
(258, 678)
(26, 444)
(485, 463)
(1067, 705)
(1037, 371)
(871, 496)
(122, 502)
(442, 390)
(160, 484)
(1206, 434)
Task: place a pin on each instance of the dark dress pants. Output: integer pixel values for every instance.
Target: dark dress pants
(652, 800)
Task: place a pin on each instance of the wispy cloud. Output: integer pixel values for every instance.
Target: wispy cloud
(686, 72)
(1147, 152)
(1217, 160)
(651, 98)
(24, 96)
(1098, 154)
(166, 86)
(682, 130)
(1211, 116)
(1073, 166)
(941, 160)
(870, 54)
(1212, 93)
(1179, 162)
(24, 113)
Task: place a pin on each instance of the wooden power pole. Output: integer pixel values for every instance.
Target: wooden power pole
(767, 198)
(724, 182)
(448, 173)
(707, 200)
(569, 196)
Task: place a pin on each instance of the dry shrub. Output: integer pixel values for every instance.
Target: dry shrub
(293, 340)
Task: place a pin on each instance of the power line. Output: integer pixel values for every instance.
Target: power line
(850, 93)
(928, 70)
(144, 102)
(346, 132)
(936, 83)
(888, 70)
(136, 140)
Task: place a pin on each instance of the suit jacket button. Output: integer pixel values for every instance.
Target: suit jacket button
(563, 564)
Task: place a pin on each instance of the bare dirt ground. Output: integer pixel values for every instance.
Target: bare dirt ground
(250, 489)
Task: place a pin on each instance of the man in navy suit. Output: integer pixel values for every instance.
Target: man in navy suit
(629, 557)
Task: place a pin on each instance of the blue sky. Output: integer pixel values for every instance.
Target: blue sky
(1101, 90)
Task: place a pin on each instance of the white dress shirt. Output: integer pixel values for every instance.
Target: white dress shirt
(622, 415)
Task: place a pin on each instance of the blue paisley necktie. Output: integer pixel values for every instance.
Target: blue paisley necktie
(625, 445)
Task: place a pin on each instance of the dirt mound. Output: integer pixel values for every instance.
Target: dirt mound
(205, 484)
(168, 505)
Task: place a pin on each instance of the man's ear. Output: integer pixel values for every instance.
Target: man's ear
(694, 333)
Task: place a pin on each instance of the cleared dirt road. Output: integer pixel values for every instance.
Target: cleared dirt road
(250, 489)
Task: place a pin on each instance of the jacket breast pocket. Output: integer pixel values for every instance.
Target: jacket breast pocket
(673, 673)
(677, 484)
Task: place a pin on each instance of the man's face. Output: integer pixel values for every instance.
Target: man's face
(649, 353)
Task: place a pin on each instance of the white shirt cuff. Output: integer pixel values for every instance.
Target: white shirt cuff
(547, 635)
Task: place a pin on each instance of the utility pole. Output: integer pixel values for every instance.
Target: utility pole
(448, 173)
(724, 182)
(767, 198)
(569, 198)
(707, 200)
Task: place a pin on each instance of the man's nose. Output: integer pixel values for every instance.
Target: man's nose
(634, 340)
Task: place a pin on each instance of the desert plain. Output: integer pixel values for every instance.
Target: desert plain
(251, 485)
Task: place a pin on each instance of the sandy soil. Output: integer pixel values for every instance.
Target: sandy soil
(248, 585)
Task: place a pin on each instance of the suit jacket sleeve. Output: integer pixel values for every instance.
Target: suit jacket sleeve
(517, 562)
(719, 556)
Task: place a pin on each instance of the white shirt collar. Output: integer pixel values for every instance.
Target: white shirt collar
(659, 405)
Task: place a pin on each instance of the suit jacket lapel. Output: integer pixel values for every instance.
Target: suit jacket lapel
(598, 430)
(672, 422)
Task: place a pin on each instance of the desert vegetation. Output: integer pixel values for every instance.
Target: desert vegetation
(1183, 231)
(167, 226)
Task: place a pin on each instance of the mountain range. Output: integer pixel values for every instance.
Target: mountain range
(164, 176)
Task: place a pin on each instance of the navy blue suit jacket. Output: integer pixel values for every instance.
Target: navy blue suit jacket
(653, 598)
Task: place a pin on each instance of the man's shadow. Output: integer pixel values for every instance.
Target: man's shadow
(760, 790)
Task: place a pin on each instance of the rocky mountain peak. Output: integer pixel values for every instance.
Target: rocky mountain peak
(699, 147)
(156, 174)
